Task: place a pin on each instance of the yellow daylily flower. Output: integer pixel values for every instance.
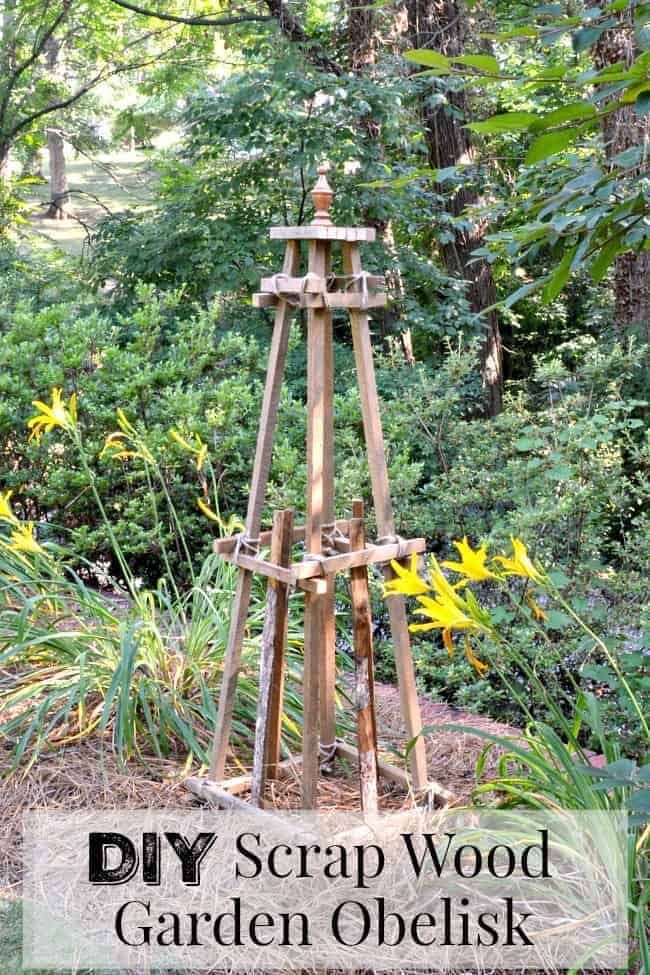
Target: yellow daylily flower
(448, 617)
(540, 615)
(6, 514)
(520, 564)
(446, 639)
(407, 582)
(113, 442)
(22, 540)
(117, 444)
(448, 611)
(181, 441)
(201, 454)
(443, 587)
(200, 450)
(56, 414)
(472, 564)
(444, 615)
(479, 666)
(124, 423)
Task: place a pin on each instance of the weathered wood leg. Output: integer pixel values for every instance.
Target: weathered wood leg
(364, 697)
(274, 639)
(384, 515)
(319, 506)
(327, 676)
(232, 660)
(328, 671)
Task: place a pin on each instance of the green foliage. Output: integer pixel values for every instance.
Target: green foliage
(556, 463)
(158, 322)
(42, 43)
(586, 211)
(142, 664)
(541, 770)
(566, 466)
(164, 374)
(247, 161)
(168, 365)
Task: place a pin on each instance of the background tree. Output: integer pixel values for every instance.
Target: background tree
(58, 208)
(101, 41)
(627, 128)
(443, 26)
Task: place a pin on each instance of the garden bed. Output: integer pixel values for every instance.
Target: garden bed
(87, 775)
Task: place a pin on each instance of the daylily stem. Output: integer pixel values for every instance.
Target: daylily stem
(163, 546)
(115, 545)
(608, 654)
(542, 632)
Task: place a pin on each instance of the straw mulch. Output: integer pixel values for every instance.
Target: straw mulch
(87, 775)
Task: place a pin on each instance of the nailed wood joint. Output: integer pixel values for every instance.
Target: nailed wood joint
(328, 565)
(349, 234)
(330, 300)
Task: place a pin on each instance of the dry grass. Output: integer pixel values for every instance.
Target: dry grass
(87, 775)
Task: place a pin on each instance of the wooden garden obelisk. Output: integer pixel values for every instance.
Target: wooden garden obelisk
(327, 549)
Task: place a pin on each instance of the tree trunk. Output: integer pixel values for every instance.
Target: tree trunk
(59, 208)
(4, 164)
(7, 65)
(624, 129)
(59, 196)
(442, 26)
(361, 27)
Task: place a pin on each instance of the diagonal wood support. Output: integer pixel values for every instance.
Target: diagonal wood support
(385, 524)
(274, 642)
(364, 678)
(268, 420)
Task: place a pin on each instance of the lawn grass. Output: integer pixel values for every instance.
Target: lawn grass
(110, 182)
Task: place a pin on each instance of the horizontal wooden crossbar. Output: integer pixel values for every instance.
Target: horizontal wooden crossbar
(293, 286)
(255, 564)
(365, 556)
(242, 783)
(314, 568)
(333, 299)
(217, 795)
(315, 232)
(315, 285)
(228, 544)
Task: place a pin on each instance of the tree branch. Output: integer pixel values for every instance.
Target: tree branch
(295, 32)
(192, 21)
(37, 50)
(75, 96)
(289, 25)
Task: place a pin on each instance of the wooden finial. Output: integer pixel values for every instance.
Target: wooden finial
(322, 196)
